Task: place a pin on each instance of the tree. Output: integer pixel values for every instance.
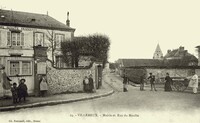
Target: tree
(52, 44)
(96, 46)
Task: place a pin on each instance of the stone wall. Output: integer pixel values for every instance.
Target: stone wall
(172, 72)
(160, 73)
(67, 80)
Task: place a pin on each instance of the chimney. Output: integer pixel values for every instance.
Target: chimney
(198, 49)
(181, 48)
(68, 21)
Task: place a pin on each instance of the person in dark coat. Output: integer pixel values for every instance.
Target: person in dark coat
(91, 83)
(22, 90)
(168, 82)
(125, 83)
(152, 81)
(14, 91)
(86, 85)
(142, 80)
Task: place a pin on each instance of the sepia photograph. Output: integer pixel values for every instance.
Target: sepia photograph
(99, 61)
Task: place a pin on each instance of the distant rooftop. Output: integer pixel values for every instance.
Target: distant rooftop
(33, 20)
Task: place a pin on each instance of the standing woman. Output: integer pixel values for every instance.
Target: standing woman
(168, 81)
(91, 84)
(43, 87)
(125, 83)
(5, 82)
(86, 85)
(194, 83)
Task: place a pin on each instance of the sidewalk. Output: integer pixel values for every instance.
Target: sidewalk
(6, 104)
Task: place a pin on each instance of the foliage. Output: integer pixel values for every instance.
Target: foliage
(96, 46)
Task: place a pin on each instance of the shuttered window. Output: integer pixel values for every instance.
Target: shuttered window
(59, 39)
(15, 39)
(39, 39)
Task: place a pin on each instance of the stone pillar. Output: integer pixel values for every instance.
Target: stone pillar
(40, 57)
(198, 49)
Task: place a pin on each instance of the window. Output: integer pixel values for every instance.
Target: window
(15, 39)
(59, 39)
(26, 67)
(14, 68)
(60, 63)
(39, 39)
(20, 68)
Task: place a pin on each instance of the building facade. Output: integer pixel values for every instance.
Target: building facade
(20, 32)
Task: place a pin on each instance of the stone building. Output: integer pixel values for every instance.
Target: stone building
(182, 55)
(20, 34)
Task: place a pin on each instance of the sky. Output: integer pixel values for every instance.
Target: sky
(134, 27)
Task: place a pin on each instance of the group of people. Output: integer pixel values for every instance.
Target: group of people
(19, 92)
(193, 82)
(151, 79)
(88, 84)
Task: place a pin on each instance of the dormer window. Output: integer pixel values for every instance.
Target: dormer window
(33, 19)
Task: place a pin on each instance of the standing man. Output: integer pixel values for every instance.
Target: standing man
(142, 80)
(125, 83)
(194, 82)
(152, 81)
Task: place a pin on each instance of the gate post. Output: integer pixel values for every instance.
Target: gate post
(40, 57)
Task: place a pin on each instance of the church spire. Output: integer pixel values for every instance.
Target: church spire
(158, 53)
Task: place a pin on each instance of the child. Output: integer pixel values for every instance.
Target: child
(14, 91)
(22, 90)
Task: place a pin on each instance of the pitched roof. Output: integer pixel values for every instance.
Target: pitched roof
(158, 49)
(155, 62)
(33, 20)
(140, 62)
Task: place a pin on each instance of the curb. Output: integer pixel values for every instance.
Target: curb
(54, 102)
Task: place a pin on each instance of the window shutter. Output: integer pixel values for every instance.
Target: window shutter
(0, 38)
(22, 39)
(8, 38)
(36, 39)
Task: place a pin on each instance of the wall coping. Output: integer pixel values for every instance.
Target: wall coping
(164, 67)
(83, 68)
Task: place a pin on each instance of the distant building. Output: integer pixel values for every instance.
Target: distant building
(158, 53)
(179, 63)
(182, 55)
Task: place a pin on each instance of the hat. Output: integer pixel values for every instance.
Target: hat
(23, 80)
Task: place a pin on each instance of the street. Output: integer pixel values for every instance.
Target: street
(134, 105)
